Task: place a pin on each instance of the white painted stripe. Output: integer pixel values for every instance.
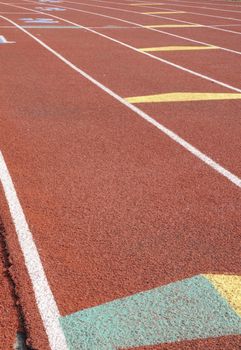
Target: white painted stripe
(170, 18)
(177, 66)
(217, 167)
(227, 25)
(152, 3)
(15, 13)
(207, 3)
(207, 26)
(142, 26)
(67, 27)
(44, 298)
(151, 28)
(121, 3)
(196, 7)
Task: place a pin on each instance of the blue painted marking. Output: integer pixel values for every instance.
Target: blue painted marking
(3, 40)
(39, 20)
(51, 1)
(187, 309)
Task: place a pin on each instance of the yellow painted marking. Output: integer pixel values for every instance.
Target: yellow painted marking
(174, 26)
(161, 13)
(177, 48)
(229, 286)
(147, 4)
(183, 97)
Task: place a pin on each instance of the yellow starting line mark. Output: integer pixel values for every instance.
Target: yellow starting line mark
(174, 26)
(162, 12)
(177, 48)
(184, 97)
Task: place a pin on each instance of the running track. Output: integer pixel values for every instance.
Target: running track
(121, 173)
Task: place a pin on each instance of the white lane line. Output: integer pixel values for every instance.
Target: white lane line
(163, 17)
(206, 26)
(203, 157)
(192, 2)
(197, 7)
(142, 1)
(177, 66)
(154, 29)
(199, 14)
(15, 13)
(208, 3)
(66, 27)
(160, 31)
(44, 298)
(227, 25)
(187, 12)
(140, 4)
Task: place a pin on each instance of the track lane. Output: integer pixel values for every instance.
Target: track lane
(148, 20)
(119, 5)
(132, 9)
(190, 71)
(224, 5)
(234, 41)
(185, 7)
(215, 124)
(33, 205)
(236, 11)
(31, 164)
(138, 85)
(145, 19)
(198, 19)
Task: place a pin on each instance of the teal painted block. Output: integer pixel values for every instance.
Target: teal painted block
(188, 309)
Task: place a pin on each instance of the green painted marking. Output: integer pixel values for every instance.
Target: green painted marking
(187, 309)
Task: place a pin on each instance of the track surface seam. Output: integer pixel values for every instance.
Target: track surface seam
(22, 336)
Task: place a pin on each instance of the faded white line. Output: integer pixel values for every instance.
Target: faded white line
(203, 157)
(165, 17)
(177, 66)
(44, 298)
(143, 1)
(67, 27)
(154, 29)
(142, 26)
(192, 2)
(15, 13)
(227, 25)
(196, 13)
(198, 7)
(206, 26)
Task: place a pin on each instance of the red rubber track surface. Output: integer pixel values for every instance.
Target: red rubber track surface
(135, 13)
(115, 206)
(9, 324)
(191, 11)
